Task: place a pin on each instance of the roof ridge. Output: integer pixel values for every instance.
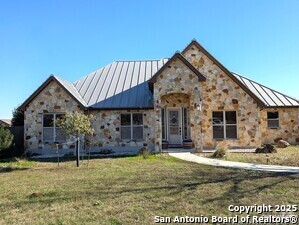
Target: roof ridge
(75, 89)
(266, 87)
(141, 60)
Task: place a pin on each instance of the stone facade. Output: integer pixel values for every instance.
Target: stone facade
(288, 129)
(176, 86)
(52, 99)
(107, 128)
(220, 92)
(177, 78)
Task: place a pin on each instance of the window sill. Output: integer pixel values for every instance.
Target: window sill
(132, 140)
(225, 139)
(273, 128)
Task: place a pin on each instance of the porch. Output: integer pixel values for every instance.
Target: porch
(177, 121)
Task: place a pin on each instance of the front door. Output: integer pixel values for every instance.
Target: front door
(174, 126)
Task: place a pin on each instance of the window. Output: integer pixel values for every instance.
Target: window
(273, 119)
(131, 126)
(163, 115)
(186, 124)
(224, 124)
(51, 132)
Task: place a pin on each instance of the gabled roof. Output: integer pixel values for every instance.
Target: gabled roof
(121, 84)
(178, 55)
(124, 85)
(268, 96)
(71, 89)
(226, 71)
(67, 86)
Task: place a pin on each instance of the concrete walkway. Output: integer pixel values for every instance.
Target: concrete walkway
(187, 156)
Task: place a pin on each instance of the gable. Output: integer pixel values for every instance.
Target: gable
(178, 57)
(64, 85)
(202, 60)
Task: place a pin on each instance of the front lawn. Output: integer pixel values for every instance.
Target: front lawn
(285, 156)
(132, 190)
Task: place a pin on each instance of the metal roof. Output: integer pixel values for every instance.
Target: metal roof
(121, 84)
(268, 96)
(71, 88)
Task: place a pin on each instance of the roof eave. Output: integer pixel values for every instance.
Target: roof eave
(22, 107)
(226, 71)
(282, 106)
(120, 108)
(178, 55)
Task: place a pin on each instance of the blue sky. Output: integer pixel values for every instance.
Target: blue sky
(70, 38)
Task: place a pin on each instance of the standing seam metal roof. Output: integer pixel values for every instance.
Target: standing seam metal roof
(123, 84)
(268, 96)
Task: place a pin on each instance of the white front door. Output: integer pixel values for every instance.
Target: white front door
(174, 126)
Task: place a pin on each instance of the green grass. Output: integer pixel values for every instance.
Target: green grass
(285, 156)
(132, 190)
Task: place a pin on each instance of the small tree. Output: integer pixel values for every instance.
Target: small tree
(17, 117)
(6, 138)
(75, 125)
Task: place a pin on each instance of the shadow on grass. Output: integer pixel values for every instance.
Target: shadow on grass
(235, 193)
(8, 169)
(259, 180)
(73, 158)
(164, 182)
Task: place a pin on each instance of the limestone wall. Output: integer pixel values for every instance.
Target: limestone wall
(220, 92)
(177, 78)
(288, 129)
(107, 128)
(52, 99)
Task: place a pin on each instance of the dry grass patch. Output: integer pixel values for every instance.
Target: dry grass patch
(285, 156)
(132, 190)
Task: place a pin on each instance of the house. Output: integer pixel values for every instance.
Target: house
(142, 103)
(5, 122)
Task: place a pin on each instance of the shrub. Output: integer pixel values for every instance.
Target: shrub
(267, 148)
(17, 117)
(105, 151)
(144, 152)
(6, 138)
(220, 152)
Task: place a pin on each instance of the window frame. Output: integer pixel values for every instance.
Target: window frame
(225, 125)
(186, 134)
(273, 127)
(164, 119)
(131, 126)
(54, 128)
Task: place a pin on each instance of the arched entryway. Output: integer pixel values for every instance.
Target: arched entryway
(175, 118)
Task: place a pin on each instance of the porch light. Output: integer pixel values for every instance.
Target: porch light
(198, 107)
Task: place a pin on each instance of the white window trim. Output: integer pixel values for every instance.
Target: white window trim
(273, 127)
(54, 127)
(225, 125)
(132, 126)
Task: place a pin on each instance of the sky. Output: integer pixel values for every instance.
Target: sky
(71, 38)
